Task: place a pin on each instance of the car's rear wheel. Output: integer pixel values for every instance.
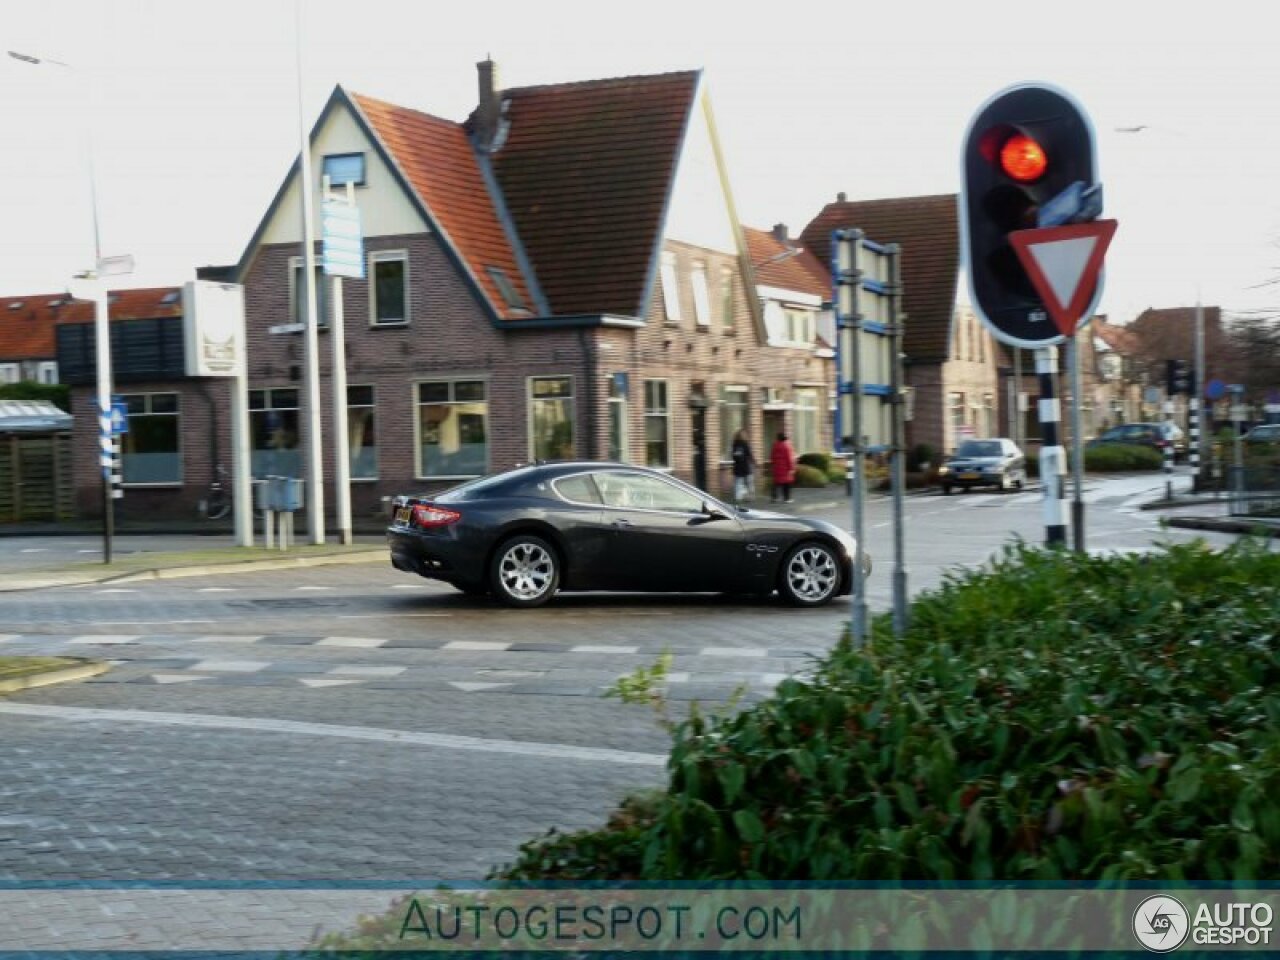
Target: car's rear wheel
(810, 575)
(525, 571)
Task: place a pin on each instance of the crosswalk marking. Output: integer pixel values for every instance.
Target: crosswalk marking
(105, 639)
(361, 671)
(231, 666)
(601, 648)
(364, 642)
(475, 645)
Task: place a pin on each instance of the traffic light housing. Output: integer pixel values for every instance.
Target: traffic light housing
(1177, 377)
(1026, 146)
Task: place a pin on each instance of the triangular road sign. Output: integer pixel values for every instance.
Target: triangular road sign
(1063, 264)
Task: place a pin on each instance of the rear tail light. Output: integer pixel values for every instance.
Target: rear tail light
(426, 515)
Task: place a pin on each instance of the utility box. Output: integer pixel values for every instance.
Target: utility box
(283, 494)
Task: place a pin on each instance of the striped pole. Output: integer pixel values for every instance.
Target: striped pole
(1168, 454)
(1193, 430)
(1052, 455)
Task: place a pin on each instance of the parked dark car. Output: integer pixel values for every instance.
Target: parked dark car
(1263, 435)
(996, 462)
(524, 534)
(1158, 436)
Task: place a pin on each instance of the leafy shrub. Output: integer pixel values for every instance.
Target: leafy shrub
(820, 460)
(921, 454)
(1122, 456)
(1055, 716)
(807, 476)
(1033, 463)
(59, 394)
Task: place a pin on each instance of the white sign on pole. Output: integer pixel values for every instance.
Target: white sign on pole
(213, 324)
(342, 239)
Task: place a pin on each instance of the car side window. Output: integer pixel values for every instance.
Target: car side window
(578, 489)
(637, 491)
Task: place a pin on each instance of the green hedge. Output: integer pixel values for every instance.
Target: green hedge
(1122, 456)
(822, 461)
(1054, 716)
(807, 476)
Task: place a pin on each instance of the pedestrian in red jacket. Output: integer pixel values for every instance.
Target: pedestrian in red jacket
(783, 460)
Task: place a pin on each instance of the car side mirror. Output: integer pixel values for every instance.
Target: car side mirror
(713, 512)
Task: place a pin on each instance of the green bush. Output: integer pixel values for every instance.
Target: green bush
(807, 476)
(822, 461)
(1054, 716)
(58, 394)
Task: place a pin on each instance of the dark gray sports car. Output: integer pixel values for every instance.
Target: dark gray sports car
(524, 534)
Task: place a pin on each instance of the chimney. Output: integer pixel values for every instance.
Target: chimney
(488, 113)
(842, 197)
(780, 232)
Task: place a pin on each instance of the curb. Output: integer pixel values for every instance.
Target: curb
(1225, 526)
(203, 570)
(79, 671)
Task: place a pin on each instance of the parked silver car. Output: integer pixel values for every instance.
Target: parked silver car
(995, 462)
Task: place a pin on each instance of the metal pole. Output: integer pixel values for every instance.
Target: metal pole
(1018, 424)
(1077, 446)
(896, 319)
(848, 278)
(1051, 453)
(314, 462)
(1198, 425)
(341, 440)
(1168, 453)
(241, 463)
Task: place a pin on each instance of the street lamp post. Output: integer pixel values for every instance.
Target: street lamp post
(94, 288)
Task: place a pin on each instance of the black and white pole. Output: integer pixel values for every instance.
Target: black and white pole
(1052, 455)
(1168, 453)
(1196, 426)
(107, 463)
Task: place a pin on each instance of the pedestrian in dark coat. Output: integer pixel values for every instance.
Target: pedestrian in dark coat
(744, 465)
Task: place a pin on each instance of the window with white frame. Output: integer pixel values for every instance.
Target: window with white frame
(988, 415)
(800, 325)
(298, 293)
(807, 417)
(734, 415)
(149, 449)
(701, 296)
(47, 371)
(726, 297)
(362, 441)
(453, 428)
(955, 408)
(657, 424)
(344, 168)
(670, 291)
(618, 419)
(551, 418)
(388, 287)
(273, 430)
(10, 372)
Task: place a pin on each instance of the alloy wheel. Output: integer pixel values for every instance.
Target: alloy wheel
(812, 574)
(527, 571)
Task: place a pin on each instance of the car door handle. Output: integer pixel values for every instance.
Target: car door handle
(622, 523)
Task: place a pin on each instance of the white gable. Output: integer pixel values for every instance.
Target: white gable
(385, 208)
(700, 213)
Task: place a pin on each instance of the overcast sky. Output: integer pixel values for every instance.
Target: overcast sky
(194, 111)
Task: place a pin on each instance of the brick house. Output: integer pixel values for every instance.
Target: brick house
(560, 275)
(27, 349)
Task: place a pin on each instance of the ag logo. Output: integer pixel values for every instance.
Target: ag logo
(1161, 923)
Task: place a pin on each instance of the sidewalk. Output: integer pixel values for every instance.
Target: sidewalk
(165, 565)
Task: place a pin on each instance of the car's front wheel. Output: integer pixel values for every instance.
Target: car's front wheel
(810, 575)
(525, 572)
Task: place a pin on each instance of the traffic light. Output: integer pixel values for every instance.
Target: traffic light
(1028, 162)
(1177, 377)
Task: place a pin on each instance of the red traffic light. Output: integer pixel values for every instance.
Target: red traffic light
(1023, 159)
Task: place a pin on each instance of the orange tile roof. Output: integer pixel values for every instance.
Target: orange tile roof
(786, 265)
(586, 170)
(27, 323)
(437, 159)
(927, 229)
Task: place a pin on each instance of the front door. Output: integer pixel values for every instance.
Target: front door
(699, 422)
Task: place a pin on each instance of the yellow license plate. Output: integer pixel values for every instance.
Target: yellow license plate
(402, 516)
(968, 476)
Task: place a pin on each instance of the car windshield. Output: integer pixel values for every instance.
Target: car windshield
(979, 448)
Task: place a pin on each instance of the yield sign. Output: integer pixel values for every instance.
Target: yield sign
(1063, 264)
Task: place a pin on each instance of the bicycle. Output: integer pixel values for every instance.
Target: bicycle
(217, 503)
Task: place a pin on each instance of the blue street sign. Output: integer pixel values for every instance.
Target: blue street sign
(1076, 204)
(1214, 389)
(119, 417)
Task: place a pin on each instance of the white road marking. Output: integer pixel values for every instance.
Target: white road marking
(387, 616)
(35, 550)
(472, 687)
(771, 679)
(602, 648)
(475, 645)
(678, 676)
(327, 681)
(231, 666)
(176, 677)
(733, 652)
(364, 642)
(223, 638)
(412, 738)
(116, 590)
(6, 637)
(105, 638)
(357, 671)
(216, 590)
(314, 588)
